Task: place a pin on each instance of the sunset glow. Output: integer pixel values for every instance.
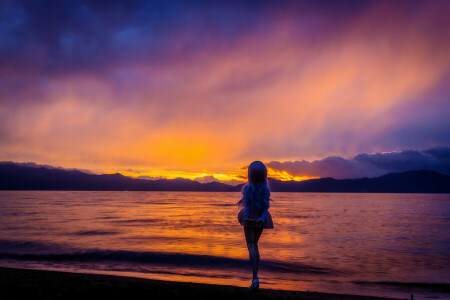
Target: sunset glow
(265, 149)
(299, 82)
(285, 176)
(206, 176)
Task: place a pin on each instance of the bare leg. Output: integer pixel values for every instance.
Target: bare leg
(252, 236)
(257, 257)
(254, 258)
(258, 232)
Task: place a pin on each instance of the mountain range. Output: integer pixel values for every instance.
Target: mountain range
(15, 176)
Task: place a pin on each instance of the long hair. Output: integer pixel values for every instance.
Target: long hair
(256, 193)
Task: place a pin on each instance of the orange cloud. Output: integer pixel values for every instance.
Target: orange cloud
(270, 96)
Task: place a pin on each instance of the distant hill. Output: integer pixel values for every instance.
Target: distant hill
(19, 177)
(421, 181)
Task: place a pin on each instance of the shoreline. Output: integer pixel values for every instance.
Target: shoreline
(39, 284)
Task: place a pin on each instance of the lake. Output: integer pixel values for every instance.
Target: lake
(367, 244)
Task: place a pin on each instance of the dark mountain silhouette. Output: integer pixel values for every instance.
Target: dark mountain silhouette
(18, 177)
(421, 181)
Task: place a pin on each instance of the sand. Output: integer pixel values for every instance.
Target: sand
(36, 284)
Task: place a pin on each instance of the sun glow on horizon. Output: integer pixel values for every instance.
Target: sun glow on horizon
(285, 176)
(233, 178)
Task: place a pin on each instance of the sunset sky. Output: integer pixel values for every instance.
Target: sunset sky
(202, 88)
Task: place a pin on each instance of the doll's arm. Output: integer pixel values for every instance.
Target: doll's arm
(246, 212)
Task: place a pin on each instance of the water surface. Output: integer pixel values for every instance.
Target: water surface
(367, 244)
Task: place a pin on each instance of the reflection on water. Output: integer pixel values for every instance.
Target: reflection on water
(371, 244)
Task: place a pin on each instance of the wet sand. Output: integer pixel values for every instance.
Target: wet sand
(36, 284)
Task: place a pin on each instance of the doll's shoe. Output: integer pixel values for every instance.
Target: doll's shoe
(255, 285)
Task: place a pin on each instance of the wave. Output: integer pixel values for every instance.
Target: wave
(95, 232)
(32, 251)
(138, 221)
(435, 287)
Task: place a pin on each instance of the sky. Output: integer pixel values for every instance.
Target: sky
(194, 89)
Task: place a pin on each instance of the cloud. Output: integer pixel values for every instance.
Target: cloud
(369, 165)
(175, 86)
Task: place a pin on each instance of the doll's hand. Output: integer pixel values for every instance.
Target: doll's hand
(259, 223)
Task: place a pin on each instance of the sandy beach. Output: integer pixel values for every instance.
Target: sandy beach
(37, 284)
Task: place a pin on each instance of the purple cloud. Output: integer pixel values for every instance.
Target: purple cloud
(369, 165)
(177, 85)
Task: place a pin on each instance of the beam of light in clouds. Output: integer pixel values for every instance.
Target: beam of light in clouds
(203, 90)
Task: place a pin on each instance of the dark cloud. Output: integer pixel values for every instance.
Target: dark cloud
(44, 39)
(68, 36)
(116, 83)
(369, 165)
